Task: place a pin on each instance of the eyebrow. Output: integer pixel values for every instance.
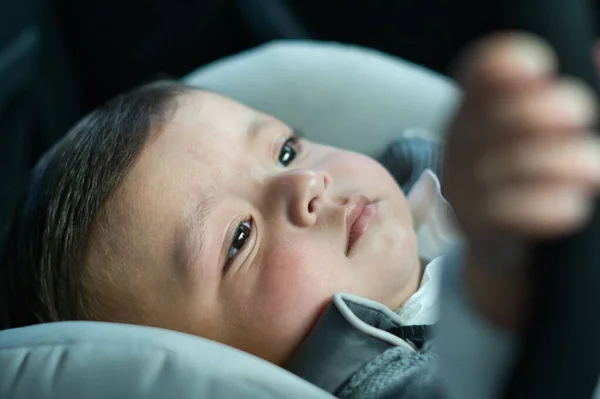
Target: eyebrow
(190, 243)
(256, 125)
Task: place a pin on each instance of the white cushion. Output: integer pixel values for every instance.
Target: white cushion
(103, 360)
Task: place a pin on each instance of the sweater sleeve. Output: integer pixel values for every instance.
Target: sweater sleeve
(474, 356)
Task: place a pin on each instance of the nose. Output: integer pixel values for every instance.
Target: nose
(303, 193)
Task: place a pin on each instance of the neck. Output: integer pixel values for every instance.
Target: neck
(415, 283)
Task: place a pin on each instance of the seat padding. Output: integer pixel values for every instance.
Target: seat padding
(105, 360)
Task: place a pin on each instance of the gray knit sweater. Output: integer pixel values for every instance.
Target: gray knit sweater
(396, 373)
(356, 352)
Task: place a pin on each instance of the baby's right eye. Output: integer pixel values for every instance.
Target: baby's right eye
(240, 237)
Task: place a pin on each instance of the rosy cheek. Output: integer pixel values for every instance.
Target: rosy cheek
(289, 284)
(283, 269)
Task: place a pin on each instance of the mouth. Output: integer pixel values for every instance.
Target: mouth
(359, 212)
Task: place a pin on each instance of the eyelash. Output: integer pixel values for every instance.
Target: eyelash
(245, 227)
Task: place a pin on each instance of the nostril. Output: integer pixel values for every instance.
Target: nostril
(311, 205)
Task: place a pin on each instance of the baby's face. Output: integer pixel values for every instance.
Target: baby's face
(240, 234)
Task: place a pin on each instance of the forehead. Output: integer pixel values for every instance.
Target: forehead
(190, 146)
(203, 127)
(180, 167)
(202, 115)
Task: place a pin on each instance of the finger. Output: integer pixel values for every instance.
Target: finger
(566, 160)
(554, 109)
(504, 63)
(539, 211)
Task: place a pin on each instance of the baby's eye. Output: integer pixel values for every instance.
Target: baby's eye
(242, 233)
(289, 151)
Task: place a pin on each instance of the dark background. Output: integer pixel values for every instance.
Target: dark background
(60, 58)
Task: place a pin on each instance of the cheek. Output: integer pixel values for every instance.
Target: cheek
(347, 166)
(379, 175)
(292, 278)
(297, 279)
(289, 291)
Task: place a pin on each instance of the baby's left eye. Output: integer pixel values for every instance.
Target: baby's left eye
(289, 151)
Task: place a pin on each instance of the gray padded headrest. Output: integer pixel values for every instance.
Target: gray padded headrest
(104, 360)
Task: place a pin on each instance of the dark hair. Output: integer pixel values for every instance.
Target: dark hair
(43, 260)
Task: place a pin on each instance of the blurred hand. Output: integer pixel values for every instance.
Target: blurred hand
(522, 164)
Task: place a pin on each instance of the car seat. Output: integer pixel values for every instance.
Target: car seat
(338, 94)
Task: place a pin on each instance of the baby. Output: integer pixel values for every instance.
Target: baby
(179, 208)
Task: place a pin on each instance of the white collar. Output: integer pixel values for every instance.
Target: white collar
(432, 217)
(435, 234)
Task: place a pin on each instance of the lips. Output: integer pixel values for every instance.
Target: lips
(359, 212)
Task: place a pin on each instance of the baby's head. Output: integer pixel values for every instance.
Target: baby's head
(179, 208)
